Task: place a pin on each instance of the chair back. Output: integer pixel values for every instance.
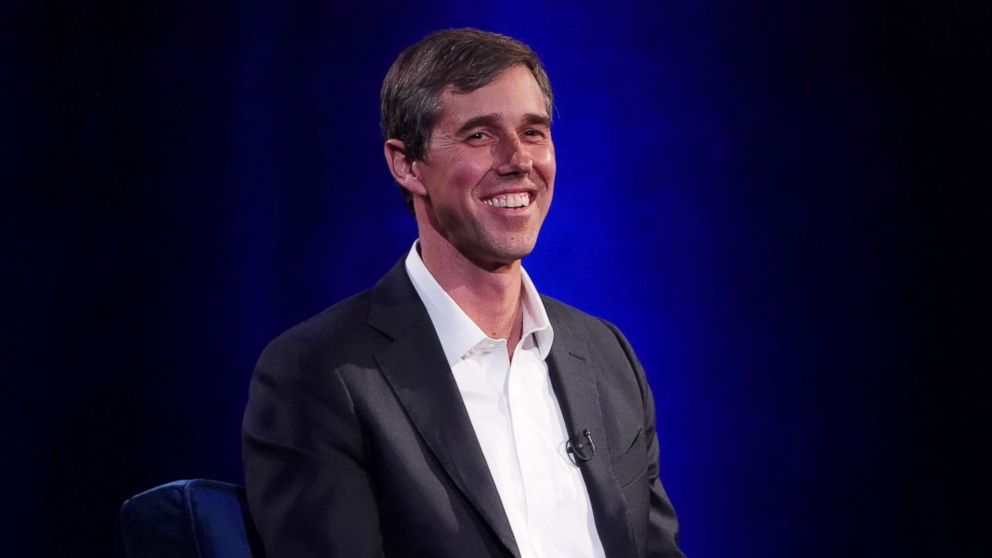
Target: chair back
(189, 519)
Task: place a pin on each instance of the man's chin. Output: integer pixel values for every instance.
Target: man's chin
(503, 256)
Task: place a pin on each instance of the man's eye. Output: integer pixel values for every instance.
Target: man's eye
(477, 136)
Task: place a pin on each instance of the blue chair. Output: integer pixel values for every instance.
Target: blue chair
(189, 519)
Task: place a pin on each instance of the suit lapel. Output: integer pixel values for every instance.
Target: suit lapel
(575, 386)
(415, 366)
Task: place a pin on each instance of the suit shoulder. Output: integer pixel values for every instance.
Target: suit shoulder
(603, 338)
(572, 317)
(337, 319)
(337, 334)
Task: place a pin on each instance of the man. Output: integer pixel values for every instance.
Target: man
(450, 410)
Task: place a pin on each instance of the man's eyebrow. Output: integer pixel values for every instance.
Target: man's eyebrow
(537, 119)
(493, 118)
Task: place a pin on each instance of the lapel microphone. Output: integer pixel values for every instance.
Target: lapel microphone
(580, 448)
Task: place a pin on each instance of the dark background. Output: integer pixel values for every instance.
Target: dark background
(783, 205)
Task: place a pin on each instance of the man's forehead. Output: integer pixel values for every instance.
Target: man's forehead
(514, 95)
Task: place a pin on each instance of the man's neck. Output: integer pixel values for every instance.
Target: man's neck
(491, 298)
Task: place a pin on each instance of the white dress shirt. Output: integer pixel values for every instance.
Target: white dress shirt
(517, 420)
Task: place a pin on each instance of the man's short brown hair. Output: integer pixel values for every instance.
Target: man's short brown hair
(464, 59)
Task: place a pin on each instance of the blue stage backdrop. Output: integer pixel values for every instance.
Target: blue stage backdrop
(775, 201)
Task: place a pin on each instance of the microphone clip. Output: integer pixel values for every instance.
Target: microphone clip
(580, 448)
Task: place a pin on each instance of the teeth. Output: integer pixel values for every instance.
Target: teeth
(508, 200)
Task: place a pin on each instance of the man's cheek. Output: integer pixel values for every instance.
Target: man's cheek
(467, 177)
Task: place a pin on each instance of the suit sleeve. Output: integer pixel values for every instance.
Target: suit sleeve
(663, 525)
(308, 491)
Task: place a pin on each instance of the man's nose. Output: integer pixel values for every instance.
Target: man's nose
(513, 157)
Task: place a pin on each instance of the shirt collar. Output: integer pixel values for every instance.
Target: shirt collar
(457, 332)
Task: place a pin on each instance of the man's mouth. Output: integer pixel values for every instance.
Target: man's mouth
(510, 201)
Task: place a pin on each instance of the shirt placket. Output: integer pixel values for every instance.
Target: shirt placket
(493, 354)
(528, 429)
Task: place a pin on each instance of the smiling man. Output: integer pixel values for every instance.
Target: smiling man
(451, 410)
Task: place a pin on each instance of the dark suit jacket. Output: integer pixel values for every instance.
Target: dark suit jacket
(357, 442)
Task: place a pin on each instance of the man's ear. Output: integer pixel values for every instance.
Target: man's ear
(403, 167)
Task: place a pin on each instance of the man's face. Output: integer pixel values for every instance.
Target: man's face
(489, 172)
